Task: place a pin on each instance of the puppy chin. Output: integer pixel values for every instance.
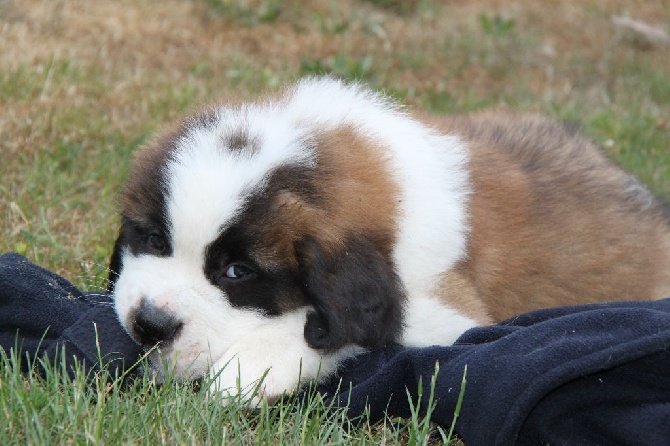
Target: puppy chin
(167, 363)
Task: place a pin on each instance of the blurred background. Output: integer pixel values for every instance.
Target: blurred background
(84, 82)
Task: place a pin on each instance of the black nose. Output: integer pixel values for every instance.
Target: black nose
(151, 325)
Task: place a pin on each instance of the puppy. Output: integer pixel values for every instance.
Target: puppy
(263, 242)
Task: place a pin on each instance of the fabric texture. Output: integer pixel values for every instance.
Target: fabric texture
(41, 314)
(592, 374)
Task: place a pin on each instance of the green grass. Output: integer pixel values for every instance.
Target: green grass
(54, 408)
(82, 87)
(266, 12)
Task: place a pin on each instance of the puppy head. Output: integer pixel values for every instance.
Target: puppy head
(241, 214)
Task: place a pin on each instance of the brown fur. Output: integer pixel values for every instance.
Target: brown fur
(553, 222)
(356, 198)
(360, 186)
(144, 174)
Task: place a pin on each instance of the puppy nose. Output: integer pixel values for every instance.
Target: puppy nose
(151, 325)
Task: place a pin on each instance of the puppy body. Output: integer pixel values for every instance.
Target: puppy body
(289, 233)
(553, 222)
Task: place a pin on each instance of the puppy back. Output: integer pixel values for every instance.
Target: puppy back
(553, 221)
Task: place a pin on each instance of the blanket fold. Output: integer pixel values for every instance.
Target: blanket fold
(592, 374)
(41, 313)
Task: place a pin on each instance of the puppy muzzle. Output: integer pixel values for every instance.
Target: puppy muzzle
(150, 325)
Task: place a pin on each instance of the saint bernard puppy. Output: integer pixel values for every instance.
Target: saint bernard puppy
(266, 241)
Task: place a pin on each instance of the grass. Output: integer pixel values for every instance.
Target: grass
(55, 407)
(84, 82)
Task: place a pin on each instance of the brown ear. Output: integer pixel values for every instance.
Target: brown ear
(356, 294)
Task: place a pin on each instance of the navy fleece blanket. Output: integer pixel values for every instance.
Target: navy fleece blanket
(42, 313)
(593, 374)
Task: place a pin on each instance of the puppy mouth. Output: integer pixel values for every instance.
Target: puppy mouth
(167, 362)
(163, 349)
(161, 359)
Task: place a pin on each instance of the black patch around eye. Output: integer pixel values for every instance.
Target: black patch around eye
(237, 271)
(272, 291)
(232, 272)
(138, 240)
(145, 240)
(156, 242)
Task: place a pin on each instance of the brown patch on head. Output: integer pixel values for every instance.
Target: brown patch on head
(144, 193)
(239, 140)
(350, 191)
(346, 202)
(143, 197)
(356, 188)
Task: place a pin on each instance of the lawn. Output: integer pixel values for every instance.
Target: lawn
(84, 82)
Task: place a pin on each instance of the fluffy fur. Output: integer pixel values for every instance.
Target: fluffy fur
(274, 238)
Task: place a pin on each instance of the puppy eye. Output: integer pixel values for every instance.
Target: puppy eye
(156, 242)
(238, 271)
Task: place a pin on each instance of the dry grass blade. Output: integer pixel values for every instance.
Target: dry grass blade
(652, 33)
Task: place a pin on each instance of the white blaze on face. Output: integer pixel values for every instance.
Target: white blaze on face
(207, 184)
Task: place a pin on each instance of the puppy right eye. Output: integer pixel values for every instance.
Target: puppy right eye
(237, 271)
(156, 242)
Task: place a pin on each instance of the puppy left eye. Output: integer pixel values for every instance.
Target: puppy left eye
(237, 271)
(156, 242)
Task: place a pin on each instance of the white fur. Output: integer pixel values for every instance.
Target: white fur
(211, 324)
(208, 184)
(429, 322)
(271, 360)
(206, 190)
(430, 169)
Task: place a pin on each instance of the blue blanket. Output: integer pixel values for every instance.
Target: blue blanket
(42, 313)
(593, 374)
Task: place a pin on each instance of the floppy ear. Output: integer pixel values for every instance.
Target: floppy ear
(357, 295)
(115, 263)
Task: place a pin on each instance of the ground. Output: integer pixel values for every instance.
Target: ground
(84, 82)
